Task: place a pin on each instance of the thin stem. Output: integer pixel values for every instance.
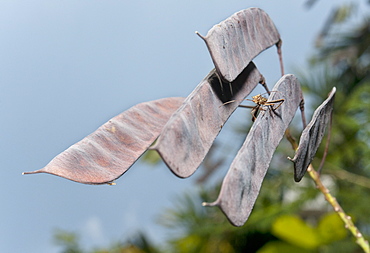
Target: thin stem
(263, 82)
(278, 45)
(291, 139)
(360, 240)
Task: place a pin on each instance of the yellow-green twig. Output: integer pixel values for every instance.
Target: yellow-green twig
(360, 240)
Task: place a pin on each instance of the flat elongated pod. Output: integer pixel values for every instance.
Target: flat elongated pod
(107, 153)
(242, 183)
(234, 42)
(312, 136)
(189, 134)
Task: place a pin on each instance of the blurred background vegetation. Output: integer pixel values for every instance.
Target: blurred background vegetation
(288, 217)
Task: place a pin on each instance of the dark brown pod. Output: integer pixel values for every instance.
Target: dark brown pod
(312, 136)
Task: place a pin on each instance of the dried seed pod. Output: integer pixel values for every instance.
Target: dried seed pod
(189, 134)
(242, 183)
(107, 153)
(234, 42)
(312, 136)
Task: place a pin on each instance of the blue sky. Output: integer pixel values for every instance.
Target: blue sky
(67, 67)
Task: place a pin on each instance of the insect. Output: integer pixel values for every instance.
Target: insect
(261, 101)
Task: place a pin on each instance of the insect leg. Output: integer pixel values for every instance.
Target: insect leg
(277, 101)
(254, 113)
(271, 104)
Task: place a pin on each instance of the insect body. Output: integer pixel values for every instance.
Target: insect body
(261, 101)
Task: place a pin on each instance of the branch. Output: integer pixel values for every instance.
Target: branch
(360, 240)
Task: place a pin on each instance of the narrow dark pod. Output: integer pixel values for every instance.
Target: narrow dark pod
(312, 136)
